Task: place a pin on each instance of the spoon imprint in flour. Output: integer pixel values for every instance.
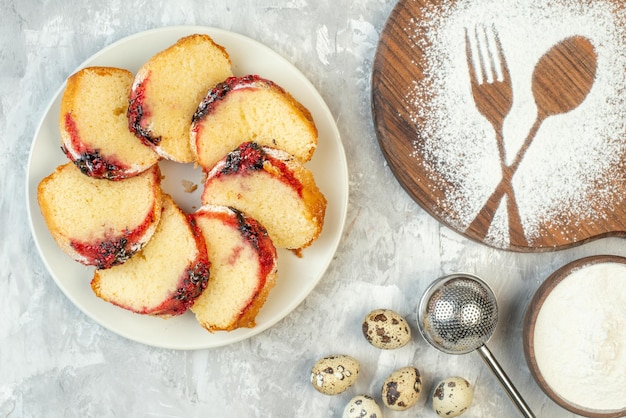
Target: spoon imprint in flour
(561, 80)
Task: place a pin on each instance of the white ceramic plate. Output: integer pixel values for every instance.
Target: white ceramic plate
(297, 276)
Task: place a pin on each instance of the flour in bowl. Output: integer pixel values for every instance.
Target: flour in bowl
(580, 337)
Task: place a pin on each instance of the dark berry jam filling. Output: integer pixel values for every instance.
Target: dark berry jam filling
(192, 283)
(138, 112)
(256, 234)
(219, 92)
(91, 162)
(250, 156)
(247, 157)
(106, 254)
(112, 252)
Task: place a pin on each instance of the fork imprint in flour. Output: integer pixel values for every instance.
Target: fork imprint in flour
(492, 91)
(561, 80)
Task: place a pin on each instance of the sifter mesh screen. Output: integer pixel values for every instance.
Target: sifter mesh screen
(459, 315)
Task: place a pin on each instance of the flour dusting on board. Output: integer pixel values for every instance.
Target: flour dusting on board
(568, 174)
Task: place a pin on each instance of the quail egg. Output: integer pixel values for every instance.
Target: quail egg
(386, 329)
(334, 374)
(402, 389)
(452, 397)
(362, 406)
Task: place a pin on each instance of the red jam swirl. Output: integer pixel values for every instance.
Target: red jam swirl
(196, 277)
(254, 233)
(116, 250)
(138, 112)
(257, 236)
(90, 161)
(108, 253)
(221, 90)
(249, 157)
(191, 285)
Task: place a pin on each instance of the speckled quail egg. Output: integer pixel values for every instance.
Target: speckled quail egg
(402, 389)
(452, 397)
(362, 406)
(334, 374)
(386, 329)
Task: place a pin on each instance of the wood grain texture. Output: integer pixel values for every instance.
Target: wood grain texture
(530, 320)
(561, 80)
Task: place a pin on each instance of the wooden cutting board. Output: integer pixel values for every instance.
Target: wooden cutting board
(557, 116)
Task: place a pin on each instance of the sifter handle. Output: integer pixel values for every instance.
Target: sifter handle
(505, 381)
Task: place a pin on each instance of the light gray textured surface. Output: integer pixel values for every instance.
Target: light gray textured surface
(54, 361)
